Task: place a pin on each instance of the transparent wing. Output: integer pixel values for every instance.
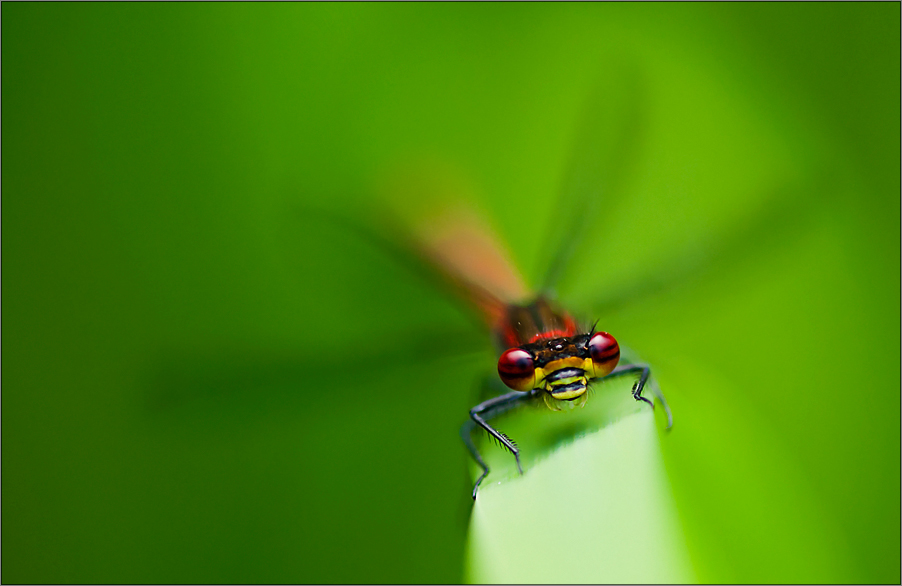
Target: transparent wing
(607, 138)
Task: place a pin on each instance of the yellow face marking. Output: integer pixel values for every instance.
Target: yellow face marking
(584, 364)
(555, 365)
(558, 405)
(572, 393)
(565, 381)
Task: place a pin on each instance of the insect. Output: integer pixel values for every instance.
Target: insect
(550, 359)
(545, 356)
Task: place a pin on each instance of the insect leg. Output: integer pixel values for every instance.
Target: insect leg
(640, 384)
(465, 434)
(479, 416)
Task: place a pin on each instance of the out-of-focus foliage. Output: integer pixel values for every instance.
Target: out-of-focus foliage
(208, 378)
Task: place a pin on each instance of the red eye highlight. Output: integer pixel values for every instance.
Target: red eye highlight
(605, 353)
(517, 370)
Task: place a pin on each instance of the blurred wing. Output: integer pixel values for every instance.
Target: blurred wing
(428, 216)
(466, 251)
(606, 143)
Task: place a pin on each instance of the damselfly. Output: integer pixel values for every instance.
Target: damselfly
(545, 355)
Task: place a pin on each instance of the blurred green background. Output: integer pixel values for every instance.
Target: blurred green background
(205, 381)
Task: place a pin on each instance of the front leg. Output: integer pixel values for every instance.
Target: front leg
(480, 414)
(645, 372)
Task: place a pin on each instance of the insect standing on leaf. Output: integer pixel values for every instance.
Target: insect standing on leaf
(548, 357)
(545, 355)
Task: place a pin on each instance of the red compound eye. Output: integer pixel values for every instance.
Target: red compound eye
(517, 370)
(605, 353)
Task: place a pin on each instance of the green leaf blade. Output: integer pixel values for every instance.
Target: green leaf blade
(597, 510)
